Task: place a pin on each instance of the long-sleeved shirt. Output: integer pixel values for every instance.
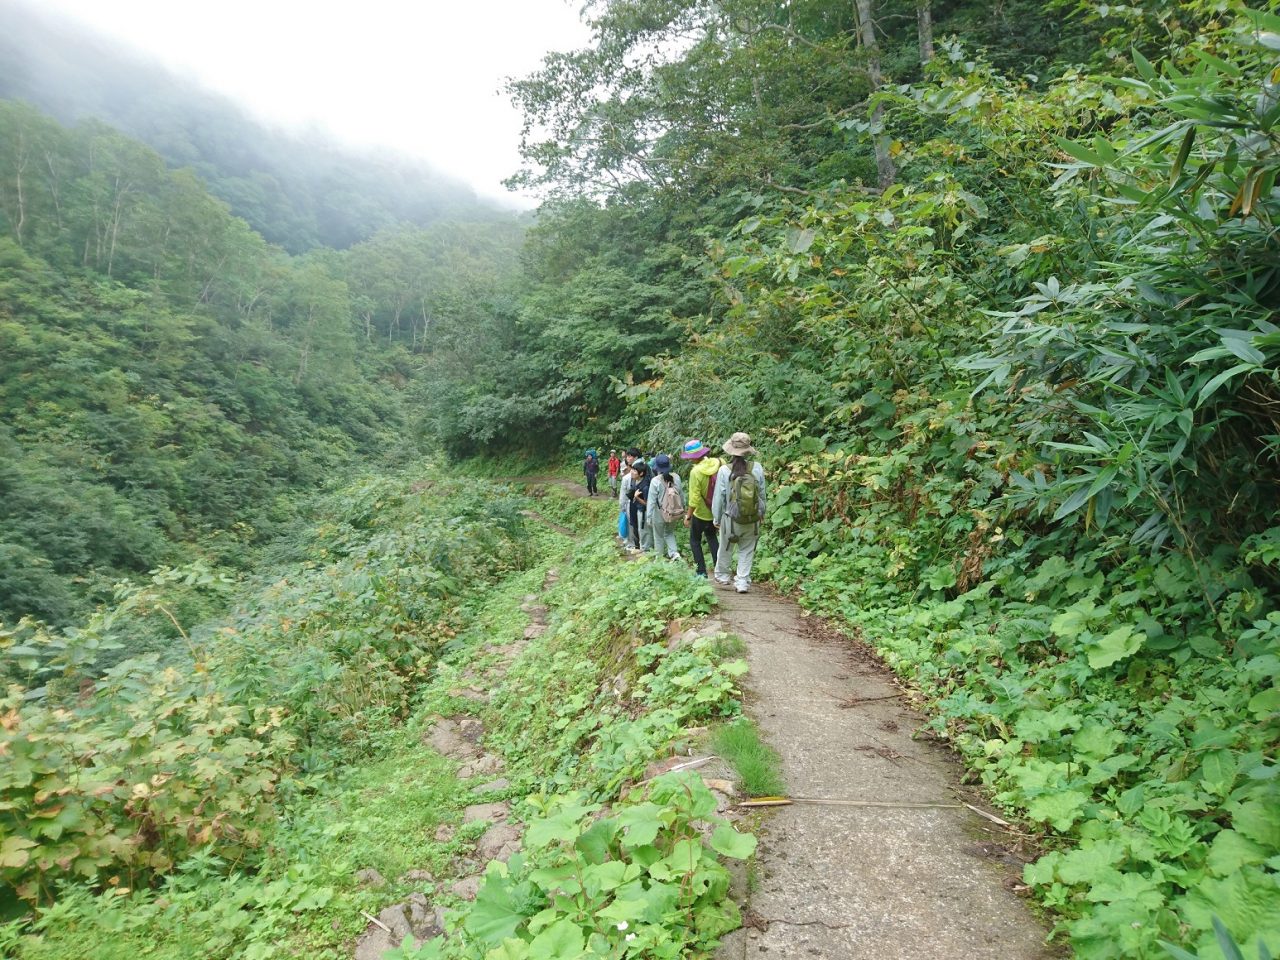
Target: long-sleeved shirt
(657, 488)
(624, 492)
(720, 499)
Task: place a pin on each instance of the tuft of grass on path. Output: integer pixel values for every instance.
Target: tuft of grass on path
(758, 765)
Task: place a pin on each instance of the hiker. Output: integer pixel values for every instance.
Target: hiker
(591, 467)
(697, 517)
(614, 467)
(737, 509)
(666, 507)
(625, 480)
(639, 506)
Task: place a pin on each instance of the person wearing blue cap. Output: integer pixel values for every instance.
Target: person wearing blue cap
(666, 507)
(591, 467)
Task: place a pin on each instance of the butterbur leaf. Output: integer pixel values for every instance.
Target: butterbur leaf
(1115, 646)
(15, 852)
(563, 940)
(594, 842)
(728, 842)
(1230, 851)
(1259, 820)
(1060, 810)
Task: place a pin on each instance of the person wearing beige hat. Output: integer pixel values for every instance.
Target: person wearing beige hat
(737, 510)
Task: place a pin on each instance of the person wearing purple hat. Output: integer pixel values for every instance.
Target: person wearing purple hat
(666, 507)
(697, 516)
(737, 509)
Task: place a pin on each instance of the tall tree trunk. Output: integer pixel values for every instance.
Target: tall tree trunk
(22, 200)
(885, 169)
(924, 25)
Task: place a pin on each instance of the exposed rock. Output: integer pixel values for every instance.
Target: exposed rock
(534, 631)
(370, 878)
(414, 918)
(499, 842)
(684, 639)
(530, 598)
(464, 866)
(494, 786)
(486, 811)
(711, 627)
(621, 686)
(474, 694)
(467, 887)
(471, 729)
(444, 833)
(445, 737)
(417, 876)
(487, 765)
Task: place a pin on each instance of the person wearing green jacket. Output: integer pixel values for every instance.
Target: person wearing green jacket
(697, 516)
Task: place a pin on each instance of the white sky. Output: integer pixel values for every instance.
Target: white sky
(420, 76)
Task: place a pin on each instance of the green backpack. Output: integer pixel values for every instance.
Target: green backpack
(744, 499)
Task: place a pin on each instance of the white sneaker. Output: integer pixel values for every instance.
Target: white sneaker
(723, 581)
(742, 589)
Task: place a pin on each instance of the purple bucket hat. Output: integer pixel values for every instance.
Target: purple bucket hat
(694, 450)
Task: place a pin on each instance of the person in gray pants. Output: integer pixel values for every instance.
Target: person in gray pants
(663, 527)
(737, 510)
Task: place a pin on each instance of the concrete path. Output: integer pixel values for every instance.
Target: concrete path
(844, 882)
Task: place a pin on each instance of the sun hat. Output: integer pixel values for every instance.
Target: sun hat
(662, 464)
(694, 450)
(739, 445)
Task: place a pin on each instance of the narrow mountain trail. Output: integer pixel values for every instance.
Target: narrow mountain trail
(891, 864)
(913, 872)
(906, 870)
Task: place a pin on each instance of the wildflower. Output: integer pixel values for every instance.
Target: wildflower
(622, 925)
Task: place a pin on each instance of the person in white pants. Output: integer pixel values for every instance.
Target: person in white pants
(738, 522)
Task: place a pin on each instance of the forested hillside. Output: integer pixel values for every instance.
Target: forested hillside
(169, 381)
(298, 190)
(993, 286)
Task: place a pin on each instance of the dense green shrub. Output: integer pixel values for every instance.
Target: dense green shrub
(117, 776)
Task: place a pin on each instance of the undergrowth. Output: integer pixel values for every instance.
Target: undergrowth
(577, 718)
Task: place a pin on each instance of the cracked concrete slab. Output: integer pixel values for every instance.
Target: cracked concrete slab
(847, 883)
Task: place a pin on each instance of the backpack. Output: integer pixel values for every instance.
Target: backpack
(671, 504)
(744, 499)
(711, 487)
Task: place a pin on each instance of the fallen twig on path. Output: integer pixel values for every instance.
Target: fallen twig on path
(834, 801)
(990, 816)
(375, 921)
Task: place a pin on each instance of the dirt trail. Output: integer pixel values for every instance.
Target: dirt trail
(844, 882)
